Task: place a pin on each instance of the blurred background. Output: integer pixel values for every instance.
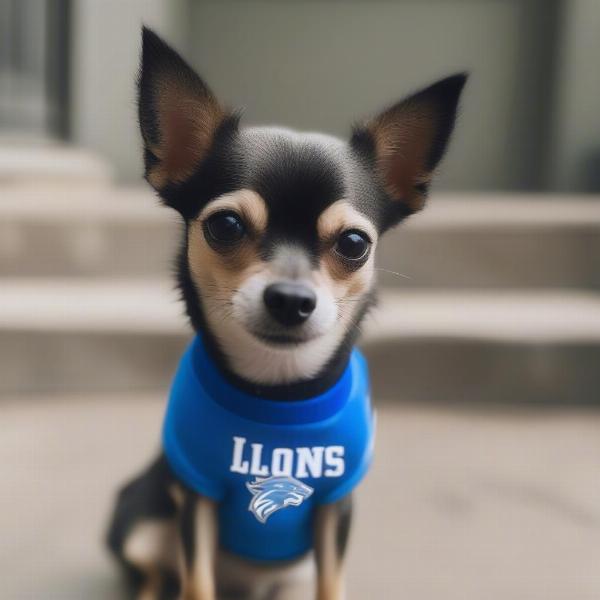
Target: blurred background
(485, 350)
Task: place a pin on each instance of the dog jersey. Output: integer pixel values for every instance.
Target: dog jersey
(268, 463)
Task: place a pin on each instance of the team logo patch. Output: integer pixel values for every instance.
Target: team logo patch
(274, 493)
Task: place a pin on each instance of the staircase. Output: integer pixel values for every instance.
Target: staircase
(491, 298)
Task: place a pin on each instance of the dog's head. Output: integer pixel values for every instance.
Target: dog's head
(281, 227)
(274, 493)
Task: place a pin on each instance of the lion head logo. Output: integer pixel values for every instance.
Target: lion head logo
(274, 493)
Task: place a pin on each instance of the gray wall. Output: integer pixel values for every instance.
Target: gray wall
(320, 65)
(575, 144)
(529, 114)
(23, 106)
(105, 42)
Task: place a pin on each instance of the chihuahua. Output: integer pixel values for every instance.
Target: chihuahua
(269, 426)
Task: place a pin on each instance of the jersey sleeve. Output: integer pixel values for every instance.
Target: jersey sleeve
(358, 455)
(191, 436)
(203, 481)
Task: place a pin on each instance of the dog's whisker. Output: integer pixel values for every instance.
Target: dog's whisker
(393, 272)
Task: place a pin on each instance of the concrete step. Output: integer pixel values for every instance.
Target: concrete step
(496, 241)
(467, 241)
(65, 231)
(26, 160)
(518, 346)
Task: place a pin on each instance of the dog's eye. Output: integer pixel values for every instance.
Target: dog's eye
(225, 227)
(353, 245)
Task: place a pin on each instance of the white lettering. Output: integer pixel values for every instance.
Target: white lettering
(315, 462)
(310, 462)
(256, 468)
(237, 464)
(282, 462)
(334, 459)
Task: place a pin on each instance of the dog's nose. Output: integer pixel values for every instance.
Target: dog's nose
(289, 303)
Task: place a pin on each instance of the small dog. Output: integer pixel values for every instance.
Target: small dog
(276, 270)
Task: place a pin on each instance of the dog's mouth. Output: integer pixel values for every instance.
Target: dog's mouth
(282, 339)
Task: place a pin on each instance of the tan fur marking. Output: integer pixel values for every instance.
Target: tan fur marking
(220, 275)
(247, 203)
(344, 284)
(152, 547)
(403, 136)
(202, 582)
(157, 177)
(151, 586)
(338, 217)
(187, 121)
(177, 494)
(330, 579)
(151, 544)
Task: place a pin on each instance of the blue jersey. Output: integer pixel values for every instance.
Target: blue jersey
(268, 463)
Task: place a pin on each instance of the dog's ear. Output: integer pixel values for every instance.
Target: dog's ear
(407, 141)
(178, 113)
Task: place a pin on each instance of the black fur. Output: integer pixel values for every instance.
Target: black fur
(158, 58)
(344, 522)
(144, 498)
(444, 95)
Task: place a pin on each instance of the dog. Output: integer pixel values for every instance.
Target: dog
(276, 271)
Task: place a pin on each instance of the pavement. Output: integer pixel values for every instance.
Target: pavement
(462, 503)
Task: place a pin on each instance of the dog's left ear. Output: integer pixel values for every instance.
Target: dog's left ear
(407, 141)
(179, 115)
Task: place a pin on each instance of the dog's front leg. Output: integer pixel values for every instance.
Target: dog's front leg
(331, 538)
(199, 534)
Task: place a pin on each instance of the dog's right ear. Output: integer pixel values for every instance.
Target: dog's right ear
(178, 114)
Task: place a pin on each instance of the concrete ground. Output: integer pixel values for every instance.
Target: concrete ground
(461, 504)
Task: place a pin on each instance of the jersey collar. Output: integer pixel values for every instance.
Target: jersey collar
(317, 408)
